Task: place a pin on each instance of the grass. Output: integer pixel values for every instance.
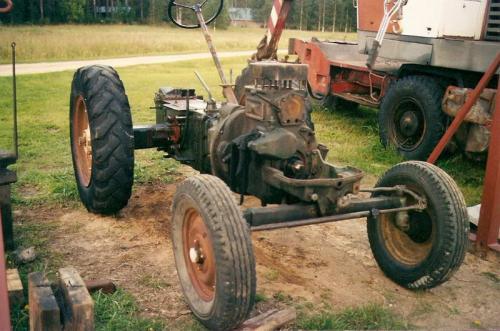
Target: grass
(118, 312)
(59, 42)
(369, 317)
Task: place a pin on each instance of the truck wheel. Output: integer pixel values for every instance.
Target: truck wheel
(213, 253)
(411, 118)
(425, 249)
(102, 139)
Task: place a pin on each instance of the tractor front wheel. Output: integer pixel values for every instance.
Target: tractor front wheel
(102, 139)
(213, 253)
(421, 249)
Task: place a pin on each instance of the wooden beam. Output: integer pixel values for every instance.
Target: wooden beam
(78, 313)
(44, 311)
(15, 287)
(269, 321)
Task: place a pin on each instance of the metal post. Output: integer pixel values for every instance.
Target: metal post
(471, 100)
(14, 96)
(4, 294)
(489, 218)
(226, 88)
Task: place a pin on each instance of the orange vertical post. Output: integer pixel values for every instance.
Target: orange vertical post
(489, 218)
(4, 294)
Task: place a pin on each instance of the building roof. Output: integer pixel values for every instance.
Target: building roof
(241, 14)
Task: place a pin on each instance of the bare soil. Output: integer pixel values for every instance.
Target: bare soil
(324, 264)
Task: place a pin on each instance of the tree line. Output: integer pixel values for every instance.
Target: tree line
(319, 15)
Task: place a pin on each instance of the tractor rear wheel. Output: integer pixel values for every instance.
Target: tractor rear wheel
(421, 249)
(102, 139)
(213, 253)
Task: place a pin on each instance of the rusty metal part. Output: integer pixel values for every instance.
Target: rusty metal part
(481, 112)
(474, 96)
(227, 89)
(106, 286)
(268, 46)
(489, 219)
(8, 7)
(199, 254)
(82, 141)
(313, 221)
(292, 110)
(268, 215)
(305, 214)
(478, 139)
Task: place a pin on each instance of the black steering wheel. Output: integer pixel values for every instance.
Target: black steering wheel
(196, 8)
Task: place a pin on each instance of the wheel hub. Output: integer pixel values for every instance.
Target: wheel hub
(409, 124)
(198, 254)
(82, 141)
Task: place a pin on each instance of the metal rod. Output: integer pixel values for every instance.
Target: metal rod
(319, 220)
(14, 96)
(226, 88)
(462, 113)
(204, 84)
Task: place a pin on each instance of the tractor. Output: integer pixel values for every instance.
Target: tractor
(417, 220)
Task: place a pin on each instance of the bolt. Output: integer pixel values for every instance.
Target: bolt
(403, 221)
(314, 197)
(194, 255)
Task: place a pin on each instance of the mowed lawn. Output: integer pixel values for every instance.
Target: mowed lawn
(72, 42)
(45, 169)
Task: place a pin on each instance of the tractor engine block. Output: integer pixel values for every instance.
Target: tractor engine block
(264, 148)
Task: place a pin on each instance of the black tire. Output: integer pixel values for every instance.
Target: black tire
(105, 187)
(245, 78)
(334, 103)
(219, 284)
(433, 247)
(411, 118)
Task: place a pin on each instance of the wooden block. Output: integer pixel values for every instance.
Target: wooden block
(269, 321)
(78, 314)
(44, 311)
(15, 288)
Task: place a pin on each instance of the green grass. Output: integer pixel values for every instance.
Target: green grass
(370, 317)
(71, 42)
(119, 312)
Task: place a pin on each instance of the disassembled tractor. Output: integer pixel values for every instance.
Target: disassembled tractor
(417, 219)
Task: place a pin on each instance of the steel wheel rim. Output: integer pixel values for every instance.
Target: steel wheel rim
(82, 142)
(408, 126)
(198, 254)
(410, 247)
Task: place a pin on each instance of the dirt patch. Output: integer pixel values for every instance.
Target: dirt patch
(327, 264)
